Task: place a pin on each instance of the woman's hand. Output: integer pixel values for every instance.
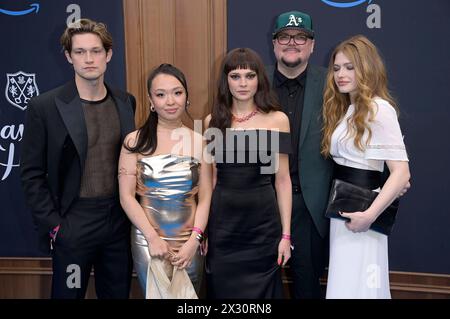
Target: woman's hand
(284, 251)
(204, 247)
(405, 189)
(184, 256)
(158, 247)
(359, 221)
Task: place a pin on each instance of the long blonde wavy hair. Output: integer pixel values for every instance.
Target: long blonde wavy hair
(371, 81)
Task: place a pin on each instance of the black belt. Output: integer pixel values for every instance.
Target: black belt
(360, 177)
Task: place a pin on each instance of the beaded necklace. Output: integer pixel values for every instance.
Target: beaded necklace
(245, 117)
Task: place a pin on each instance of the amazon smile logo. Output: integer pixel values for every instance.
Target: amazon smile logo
(34, 7)
(347, 4)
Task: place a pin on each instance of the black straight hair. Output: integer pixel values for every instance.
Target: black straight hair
(147, 135)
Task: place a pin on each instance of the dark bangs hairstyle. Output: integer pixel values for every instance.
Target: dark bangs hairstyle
(147, 135)
(265, 99)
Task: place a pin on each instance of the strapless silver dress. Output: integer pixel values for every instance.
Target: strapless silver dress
(167, 186)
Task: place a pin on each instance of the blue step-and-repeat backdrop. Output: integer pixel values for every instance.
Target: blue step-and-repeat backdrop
(414, 39)
(412, 35)
(32, 62)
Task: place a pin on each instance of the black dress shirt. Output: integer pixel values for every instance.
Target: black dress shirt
(291, 94)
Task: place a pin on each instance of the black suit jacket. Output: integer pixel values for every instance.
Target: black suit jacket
(315, 171)
(54, 150)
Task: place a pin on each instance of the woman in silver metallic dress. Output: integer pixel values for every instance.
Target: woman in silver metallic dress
(162, 163)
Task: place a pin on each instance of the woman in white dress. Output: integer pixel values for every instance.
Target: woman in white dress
(361, 133)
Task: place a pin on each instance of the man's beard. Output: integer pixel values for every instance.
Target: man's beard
(291, 64)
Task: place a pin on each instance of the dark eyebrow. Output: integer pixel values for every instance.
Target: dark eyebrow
(81, 48)
(249, 72)
(174, 89)
(300, 33)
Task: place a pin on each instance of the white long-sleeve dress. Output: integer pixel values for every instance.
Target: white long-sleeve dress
(358, 266)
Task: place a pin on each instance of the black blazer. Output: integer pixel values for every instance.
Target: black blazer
(54, 150)
(315, 171)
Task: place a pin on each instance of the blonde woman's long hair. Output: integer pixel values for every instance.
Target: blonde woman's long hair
(371, 81)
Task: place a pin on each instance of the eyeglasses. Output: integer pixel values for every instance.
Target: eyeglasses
(299, 38)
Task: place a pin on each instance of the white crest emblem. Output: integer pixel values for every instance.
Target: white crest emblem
(20, 88)
(294, 21)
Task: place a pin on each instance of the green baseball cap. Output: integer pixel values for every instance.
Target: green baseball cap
(294, 20)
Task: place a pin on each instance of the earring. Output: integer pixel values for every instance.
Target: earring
(188, 104)
(152, 108)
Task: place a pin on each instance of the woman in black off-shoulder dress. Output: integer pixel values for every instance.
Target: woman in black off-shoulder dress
(249, 222)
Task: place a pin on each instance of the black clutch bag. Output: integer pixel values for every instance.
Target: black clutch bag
(347, 197)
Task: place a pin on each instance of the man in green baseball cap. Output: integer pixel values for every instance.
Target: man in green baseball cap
(299, 86)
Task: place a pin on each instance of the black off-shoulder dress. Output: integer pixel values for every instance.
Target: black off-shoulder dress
(244, 226)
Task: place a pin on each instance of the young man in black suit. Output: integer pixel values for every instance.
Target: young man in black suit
(71, 145)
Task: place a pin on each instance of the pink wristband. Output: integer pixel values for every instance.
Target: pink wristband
(284, 236)
(197, 230)
(54, 232)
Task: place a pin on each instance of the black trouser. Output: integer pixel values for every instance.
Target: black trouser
(94, 232)
(310, 253)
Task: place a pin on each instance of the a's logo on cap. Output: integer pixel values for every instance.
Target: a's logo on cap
(293, 21)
